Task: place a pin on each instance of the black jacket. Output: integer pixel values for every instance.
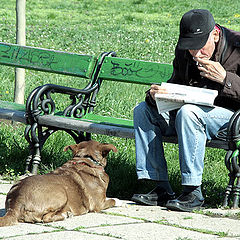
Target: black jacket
(227, 52)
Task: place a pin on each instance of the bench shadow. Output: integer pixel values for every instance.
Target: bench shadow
(2, 212)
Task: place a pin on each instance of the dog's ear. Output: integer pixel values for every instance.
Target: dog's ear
(71, 147)
(106, 148)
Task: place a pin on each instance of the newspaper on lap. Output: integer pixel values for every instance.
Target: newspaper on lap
(177, 95)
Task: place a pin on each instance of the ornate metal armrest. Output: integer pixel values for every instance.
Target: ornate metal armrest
(40, 101)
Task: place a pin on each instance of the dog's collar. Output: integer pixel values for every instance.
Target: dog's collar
(95, 162)
(83, 163)
(89, 158)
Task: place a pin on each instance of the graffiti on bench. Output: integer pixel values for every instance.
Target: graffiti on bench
(28, 56)
(129, 70)
(45, 59)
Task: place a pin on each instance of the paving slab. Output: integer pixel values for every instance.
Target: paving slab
(93, 220)
(231, 227)
(23, 229)
(223, 212)
(64, 235)
(153, 231)
(130, 221)
(2, 200)
(4, 188)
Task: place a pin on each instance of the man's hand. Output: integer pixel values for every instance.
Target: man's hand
(156, 89)
(211, 70)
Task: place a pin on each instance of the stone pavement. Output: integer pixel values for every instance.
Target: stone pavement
(131, 222)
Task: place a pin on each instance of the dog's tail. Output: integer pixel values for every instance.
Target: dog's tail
(9, 219)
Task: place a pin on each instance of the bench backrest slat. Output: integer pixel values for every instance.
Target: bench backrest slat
(134, 71)
(47, 60)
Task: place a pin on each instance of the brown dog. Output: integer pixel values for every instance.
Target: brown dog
(78, 187)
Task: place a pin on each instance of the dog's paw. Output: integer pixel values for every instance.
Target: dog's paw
(118, 202)
(67, 215)
(70, 214)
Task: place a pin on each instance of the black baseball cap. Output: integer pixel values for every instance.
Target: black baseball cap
(195, 27)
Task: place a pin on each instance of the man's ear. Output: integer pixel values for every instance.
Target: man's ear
(216, 35)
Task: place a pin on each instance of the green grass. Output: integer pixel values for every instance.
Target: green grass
(137, 29)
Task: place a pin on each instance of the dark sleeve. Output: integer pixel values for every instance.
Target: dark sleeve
(232, 86)
(149, 100)
(178, 71)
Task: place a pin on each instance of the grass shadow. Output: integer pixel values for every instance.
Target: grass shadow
(121, 167)
(13, 148)
(122, 176)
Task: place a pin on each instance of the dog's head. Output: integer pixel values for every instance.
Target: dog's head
(92, 149)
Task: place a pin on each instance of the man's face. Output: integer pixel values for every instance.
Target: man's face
(207, 51)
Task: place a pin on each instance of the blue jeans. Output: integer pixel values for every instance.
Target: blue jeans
(193, 125)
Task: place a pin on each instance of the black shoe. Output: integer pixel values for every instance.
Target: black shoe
(187, 202)
(157, 197)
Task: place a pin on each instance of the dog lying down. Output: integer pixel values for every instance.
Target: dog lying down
(77, 187)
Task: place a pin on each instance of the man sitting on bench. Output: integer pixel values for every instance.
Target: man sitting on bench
(207, 55)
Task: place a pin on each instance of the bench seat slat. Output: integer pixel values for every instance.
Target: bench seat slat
(16, 116)
(100, 125)
(12, 106)
(108, 120)
(12, 111)
(86, 126)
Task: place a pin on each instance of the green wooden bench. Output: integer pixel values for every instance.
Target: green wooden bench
(41, 115)
(42, 60)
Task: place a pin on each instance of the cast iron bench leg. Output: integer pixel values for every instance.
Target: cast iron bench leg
(34, 157)
(232, 164)
(29, 159)
(236, 192)
(229, 189)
